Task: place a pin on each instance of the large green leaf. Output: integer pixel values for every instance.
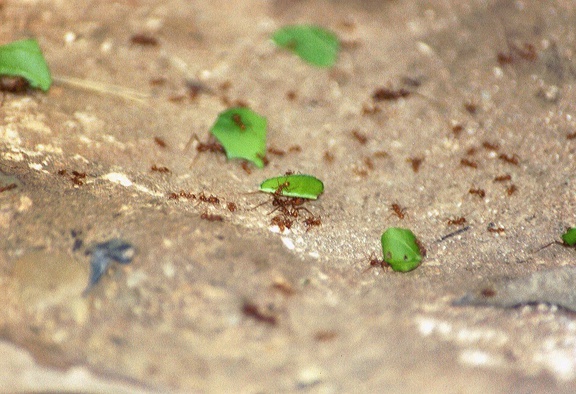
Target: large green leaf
(400, 249)
(242, 133)
(313, 44)
(295, 185)
(24, 58)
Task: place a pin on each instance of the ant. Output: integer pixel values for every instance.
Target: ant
(489, 146)
(571, 136)
(376, 262)
(275, 151)
(511, 159)
(382, 94)
(160, 142)
(163, 170)
(295, 149)
(211, 199)
(493, 229)
(468, 163)
(144, 40)
(246, 167)
(416, 162)
(328, 157)
(182, 193)
(237, 119)
(398, 211)
(211, 218)
(360, 137)
(457, 222)
(76, 177)
(282, 222)
(479, 192)
(511, 190)
(471, 108)
(231, 207)
(312, 221)
(8, 187)
(13, 84)
(252, 310)
(502, 178)
(457, 129)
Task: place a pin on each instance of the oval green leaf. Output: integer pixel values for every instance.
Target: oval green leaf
(296, 185)
(313, 44)
(242, 133)
(400, 249)
(569, 237)
(24, 59)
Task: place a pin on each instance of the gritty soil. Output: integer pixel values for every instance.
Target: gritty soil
(485, 133)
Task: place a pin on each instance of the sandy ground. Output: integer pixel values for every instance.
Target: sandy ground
(238, 305)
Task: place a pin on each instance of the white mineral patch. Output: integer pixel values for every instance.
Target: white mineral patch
(288, 243)
(116, 177)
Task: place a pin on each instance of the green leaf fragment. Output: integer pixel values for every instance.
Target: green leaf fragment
(400, 249)
(296, 185)
(242, 133)
(24, 58)
(313, 44)
(569, 237)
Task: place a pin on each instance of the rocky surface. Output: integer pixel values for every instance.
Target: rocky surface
(237, 304)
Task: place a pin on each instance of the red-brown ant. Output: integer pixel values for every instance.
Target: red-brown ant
(231, 207)
(360, 137)
(511, 190)
(237, 119)
(211, 218)
(312, 221)
(511, 159)
(160, 142)
(144, 40)
(8, 187)
(457, 129)
(183, 194)
(252, 310)
(382, 94)
(163, 170)
(210, 199)
(490, 146)
(275, 151)
(13, 84)
(468, 163)
(328, 157)
(376, 262)
(246, 167)
(479, 192)
(502, 178)
(398, 211)
(416, 162)
(497, 230)
(282, 222)
(457, 222)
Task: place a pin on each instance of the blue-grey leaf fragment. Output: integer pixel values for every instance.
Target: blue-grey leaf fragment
(103, 254)
(554, 287)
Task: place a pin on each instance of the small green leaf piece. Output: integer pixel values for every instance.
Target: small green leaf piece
(313, 44)
(295, 185)
(569, 237)
(242, 133)
(24, 58)
(400, 249)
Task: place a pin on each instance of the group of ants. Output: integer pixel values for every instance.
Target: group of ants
(289, 208)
